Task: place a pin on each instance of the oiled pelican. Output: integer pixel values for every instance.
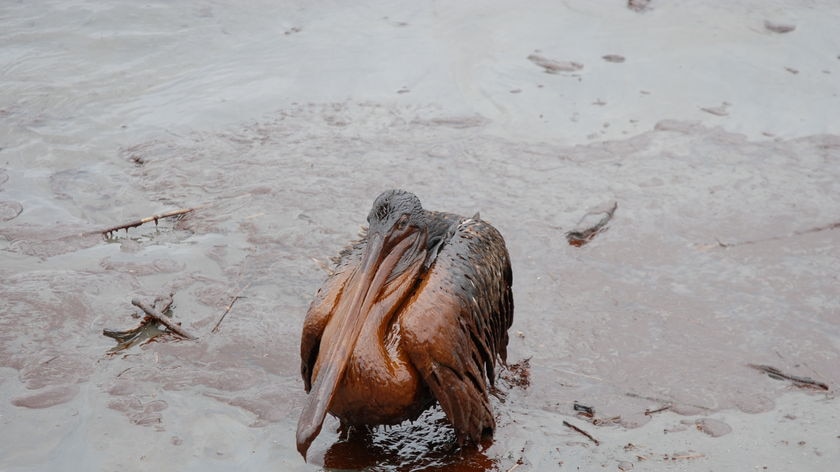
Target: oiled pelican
(415, 312)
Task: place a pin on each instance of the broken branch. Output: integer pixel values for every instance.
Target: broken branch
(161, 318)
(155, 218)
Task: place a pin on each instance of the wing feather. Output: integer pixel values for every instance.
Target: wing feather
(455, 327)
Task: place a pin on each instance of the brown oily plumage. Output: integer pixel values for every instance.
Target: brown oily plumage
(416, 311)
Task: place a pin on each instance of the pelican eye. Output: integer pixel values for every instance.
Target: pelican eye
(402, 222)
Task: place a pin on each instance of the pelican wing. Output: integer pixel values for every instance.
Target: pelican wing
(455, 326)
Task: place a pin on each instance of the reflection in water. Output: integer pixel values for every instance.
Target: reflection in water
(425, 444)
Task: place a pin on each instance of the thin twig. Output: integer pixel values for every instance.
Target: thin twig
(141, 221)
(570, 425)
(230, 306)
(658, 410)
(227, 310)
(797, 380)
(161, 318)
(801, 232)
(50, 359)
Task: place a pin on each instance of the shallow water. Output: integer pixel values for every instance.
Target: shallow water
(279, 124)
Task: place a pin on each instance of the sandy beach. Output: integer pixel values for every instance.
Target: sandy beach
(713, 128)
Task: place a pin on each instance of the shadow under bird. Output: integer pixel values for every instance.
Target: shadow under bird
(415, 312)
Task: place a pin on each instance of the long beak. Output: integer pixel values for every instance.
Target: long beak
(342, 332)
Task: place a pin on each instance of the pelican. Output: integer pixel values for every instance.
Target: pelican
(415, 312)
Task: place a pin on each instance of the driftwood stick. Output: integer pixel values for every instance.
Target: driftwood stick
(161, 318)
(141, 221)
(570, 425)
(797, 380)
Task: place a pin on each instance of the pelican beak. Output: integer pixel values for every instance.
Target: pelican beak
(363, 290)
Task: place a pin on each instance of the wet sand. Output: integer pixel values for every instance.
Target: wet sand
(722, 251)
